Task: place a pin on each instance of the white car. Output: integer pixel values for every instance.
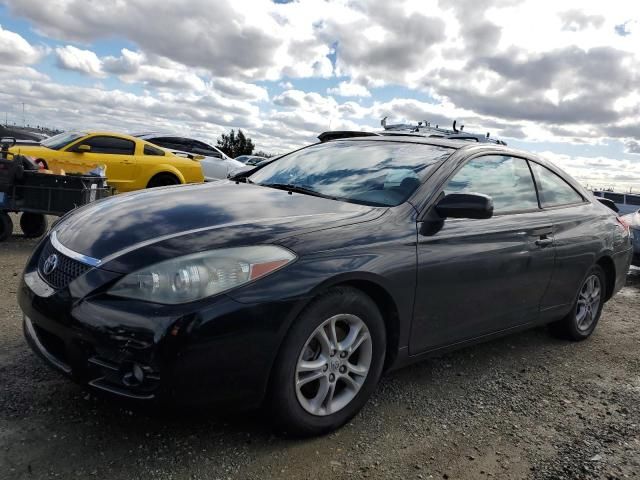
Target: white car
(215, 166)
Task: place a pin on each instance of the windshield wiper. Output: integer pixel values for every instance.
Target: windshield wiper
(290, 187)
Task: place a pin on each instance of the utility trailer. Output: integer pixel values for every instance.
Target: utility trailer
(25, 190)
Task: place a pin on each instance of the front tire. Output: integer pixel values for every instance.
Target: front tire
(33, 225)
(329, 364)
(6, 226)
(583, 318)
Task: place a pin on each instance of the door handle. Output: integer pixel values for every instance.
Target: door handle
(543, 242)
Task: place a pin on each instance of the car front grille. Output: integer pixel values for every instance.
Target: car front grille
(66, 271)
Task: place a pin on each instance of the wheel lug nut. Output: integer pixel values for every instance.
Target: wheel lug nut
(343, 369)
(325, 368)
(333, 352)
(343, 354)
(332, 377)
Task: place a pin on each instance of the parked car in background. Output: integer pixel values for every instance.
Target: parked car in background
(251, 159)
(633, 219)
(297, 286)
(626, 202)
(215, 165)
(131, 163)
(249, 166)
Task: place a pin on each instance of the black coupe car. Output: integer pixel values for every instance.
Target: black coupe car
(298, 286)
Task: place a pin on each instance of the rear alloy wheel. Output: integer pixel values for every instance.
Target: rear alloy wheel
(580, 323)
(329, 364)
(33, 225)
(163, 180)
(6, 226)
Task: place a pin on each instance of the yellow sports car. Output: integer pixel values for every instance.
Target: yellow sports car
(131, 163)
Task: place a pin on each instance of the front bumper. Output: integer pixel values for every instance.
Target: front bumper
(217, 353)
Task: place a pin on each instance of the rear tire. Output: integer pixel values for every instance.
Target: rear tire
(583, 318)
(33, 225)
(6, 226)
(163, 180)
(320, 379)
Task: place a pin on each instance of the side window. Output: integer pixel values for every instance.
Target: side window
(204, 149)
(616, 197)
(507, 180)
(172, 143)
(554, 191)
(111, 145)
(149, 150)
(633, 199)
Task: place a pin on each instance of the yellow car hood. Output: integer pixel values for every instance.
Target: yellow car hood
(36, 151)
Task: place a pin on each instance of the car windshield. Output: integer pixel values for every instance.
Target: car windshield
(61, 140)
(367, 172)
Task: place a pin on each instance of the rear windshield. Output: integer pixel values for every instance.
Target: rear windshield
(62, 140)
(371, 173)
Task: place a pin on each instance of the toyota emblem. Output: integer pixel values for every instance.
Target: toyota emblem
(50, 264)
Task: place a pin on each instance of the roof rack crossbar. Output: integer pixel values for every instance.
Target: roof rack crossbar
(425, 128)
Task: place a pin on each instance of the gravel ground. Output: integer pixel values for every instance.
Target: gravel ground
(526, 406)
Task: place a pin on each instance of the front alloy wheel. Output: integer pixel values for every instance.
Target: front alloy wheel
(333, 364)
(329, 363)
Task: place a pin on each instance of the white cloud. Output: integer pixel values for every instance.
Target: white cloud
(600, 171)
(575, 78)
(15, 50)
(349, 89)
(83, 61)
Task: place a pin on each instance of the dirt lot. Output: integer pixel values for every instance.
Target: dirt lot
(527, 406)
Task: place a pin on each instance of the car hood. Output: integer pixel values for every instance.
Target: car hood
(172, 221)
(31, 150)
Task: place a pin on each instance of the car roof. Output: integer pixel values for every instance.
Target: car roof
(403, 138)
(464, 146)
(458, 145)
(106, 132)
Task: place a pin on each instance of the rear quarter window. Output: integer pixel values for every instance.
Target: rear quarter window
(554, 191)
(150, 150)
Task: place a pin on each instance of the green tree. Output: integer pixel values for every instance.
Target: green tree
(234, 144)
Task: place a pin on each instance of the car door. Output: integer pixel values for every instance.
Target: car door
(117, 154)
(476, 277)
(577, 238)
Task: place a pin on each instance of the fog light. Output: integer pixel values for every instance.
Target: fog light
(134, 377)
(138, 373)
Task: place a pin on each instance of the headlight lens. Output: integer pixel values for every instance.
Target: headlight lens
(201, 275)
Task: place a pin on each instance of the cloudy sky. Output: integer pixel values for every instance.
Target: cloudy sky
(561, 78)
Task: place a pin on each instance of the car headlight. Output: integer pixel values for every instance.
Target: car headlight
(200, 275)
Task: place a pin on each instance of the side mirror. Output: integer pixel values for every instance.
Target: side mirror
(465, 205)
(83, 148)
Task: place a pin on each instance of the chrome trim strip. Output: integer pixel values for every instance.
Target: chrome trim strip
(94, 262)
(45, 353)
